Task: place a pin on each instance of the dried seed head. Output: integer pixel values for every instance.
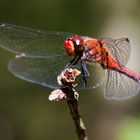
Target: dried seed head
(57, 95)
(67, 77)
(65, 80)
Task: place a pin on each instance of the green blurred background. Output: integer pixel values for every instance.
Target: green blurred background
(26, 113)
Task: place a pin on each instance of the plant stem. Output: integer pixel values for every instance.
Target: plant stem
(72, 102)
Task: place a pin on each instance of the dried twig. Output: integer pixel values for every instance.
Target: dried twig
(66, 81)
(76, 116)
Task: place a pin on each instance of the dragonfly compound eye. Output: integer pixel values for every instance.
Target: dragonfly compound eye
(74, 45)
(69, 47)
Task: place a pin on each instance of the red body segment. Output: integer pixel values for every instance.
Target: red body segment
(98, 52)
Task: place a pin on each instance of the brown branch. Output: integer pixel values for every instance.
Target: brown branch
(72, 101)
(66, 92)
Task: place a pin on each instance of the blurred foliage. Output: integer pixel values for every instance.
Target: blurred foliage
(63, 15)
(129, 129)
(26, 113)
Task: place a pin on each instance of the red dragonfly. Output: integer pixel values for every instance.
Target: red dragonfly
(41, 56)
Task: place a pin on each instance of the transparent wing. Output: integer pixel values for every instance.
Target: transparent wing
(31, 43)
(119, 49)
(38, 70)
(96, 76)
(119, 87)
(44, 71)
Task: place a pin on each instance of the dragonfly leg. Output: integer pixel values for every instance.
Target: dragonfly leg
(85, 73)
(69, 64)
(76, 60)
(73, 62)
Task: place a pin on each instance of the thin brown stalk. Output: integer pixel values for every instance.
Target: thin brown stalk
(72, 102)
(67, 92)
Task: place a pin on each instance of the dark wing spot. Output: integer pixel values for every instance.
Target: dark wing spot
(127, 40)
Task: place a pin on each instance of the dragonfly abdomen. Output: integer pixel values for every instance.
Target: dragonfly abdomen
(129, 73)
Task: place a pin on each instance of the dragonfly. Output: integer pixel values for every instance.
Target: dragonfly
(40, 56)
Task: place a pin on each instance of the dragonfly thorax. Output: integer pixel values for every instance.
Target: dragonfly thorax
(92, 50)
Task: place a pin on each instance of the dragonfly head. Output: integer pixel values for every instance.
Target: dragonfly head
(74, 45)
